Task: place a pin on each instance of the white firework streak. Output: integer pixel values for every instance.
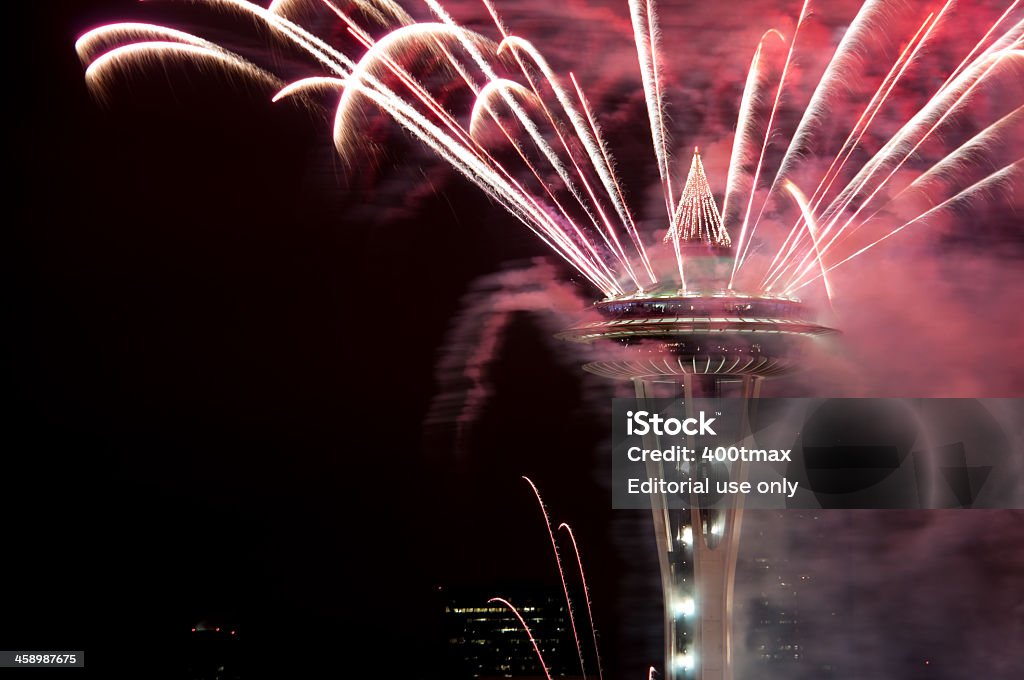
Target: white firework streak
(987, 184)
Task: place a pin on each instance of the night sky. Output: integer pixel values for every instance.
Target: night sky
(227, 363)
(221, 374)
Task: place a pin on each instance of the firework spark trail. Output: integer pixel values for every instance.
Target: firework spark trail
(312, 83)
(482, 103)
(812, 229)
(959, 156)
(652, 93)
(781, 264)
(279, 6)
(510, 42)
(986, 184)
(421, 93)
(411, 83)
(743, 245)
(505, 43)
(984, 38)
(370, 7)
(608, 235)
(379, 50)
(483, 96)
(93, 43)
(874, 106)
(1005, 41)
(370, 10)
(332, 59)
(529, 633)
(352, 26)
(561, 571)
(404, 20)
(609, 164)
(586, 595)
(837, 68)
(939, 105)
(525, 120)
(376, 9)
(878, 99)
(950, 162)
(122, 57)
(745, 123)
(654, 42)
(996, 58)
(465, 136)
(314, 46)
(594, 152)
(509, 195)
(934, 107)
(515, 43)
(534, 133)
(830, 80)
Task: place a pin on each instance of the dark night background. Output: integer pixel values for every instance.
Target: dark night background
(205, 356)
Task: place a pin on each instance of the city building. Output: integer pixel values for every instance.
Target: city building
(486, 639)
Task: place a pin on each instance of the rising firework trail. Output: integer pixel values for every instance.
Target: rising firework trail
(561, 572)
(586, 594)
(744, 245)
(746, 121)
(529, 633)
(645, 32)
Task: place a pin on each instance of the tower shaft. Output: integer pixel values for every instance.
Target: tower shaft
(697, 554)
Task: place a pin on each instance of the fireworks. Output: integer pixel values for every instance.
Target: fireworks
(529, 633)
(586, 595)
(488, 103)
(532, 143)
(565, 588)
(561, 572)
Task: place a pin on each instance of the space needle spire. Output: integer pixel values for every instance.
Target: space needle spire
(696, 219)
